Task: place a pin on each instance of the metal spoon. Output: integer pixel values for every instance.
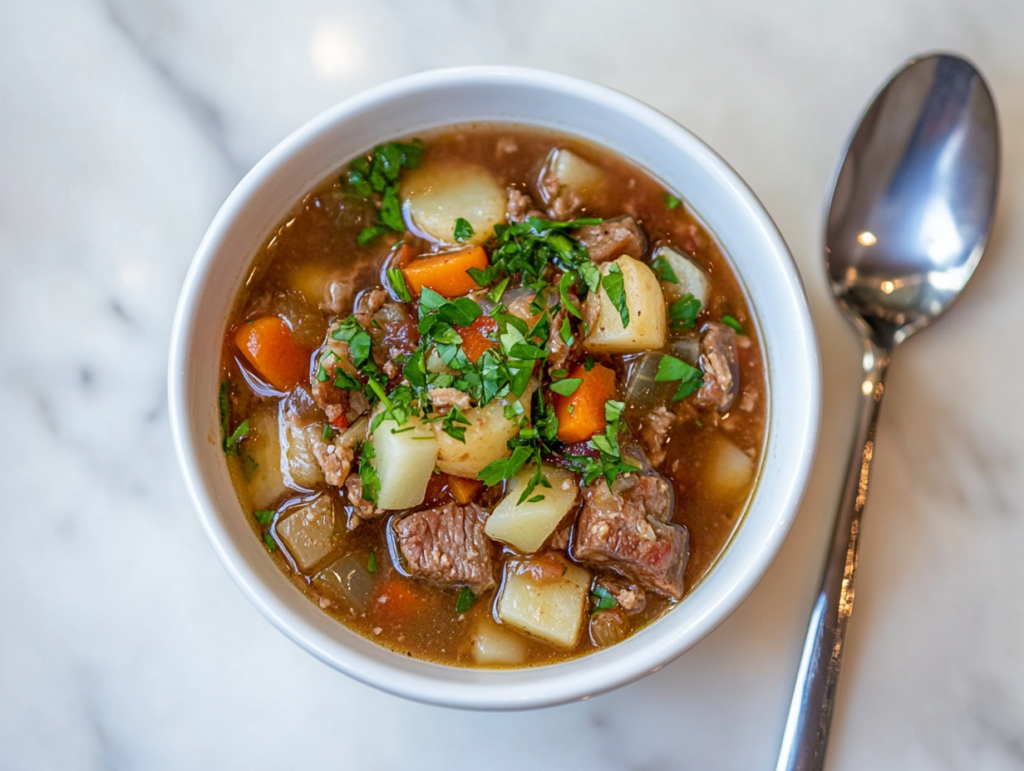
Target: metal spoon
(910, 213)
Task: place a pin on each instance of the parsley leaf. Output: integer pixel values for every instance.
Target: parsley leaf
(379, 175)
(450, 426)
(683, 312)
(664, 270)
(463, 230)
(671, 201)
(729, 321)
(504, 468)
(566, 387)
(466, 600)
(271, 544)
(264, 516)
(603, 599)
(371, 563)
(358, 339)
(231, 443)
(690, 378)
(368, 474)
(614, 286)
(397, 280)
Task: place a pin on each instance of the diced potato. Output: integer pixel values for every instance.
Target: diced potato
(263, 446)
(405, 459)
(573, 172)
(486, 437)
(310, 532)
(494, 646)
(346, 581)
(526, 526)
(434, 197)
(298, 464)
(732, 470)
(691, 278)
(647, 314)
(552, 612)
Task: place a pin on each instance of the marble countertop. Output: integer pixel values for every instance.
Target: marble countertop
(123, 126)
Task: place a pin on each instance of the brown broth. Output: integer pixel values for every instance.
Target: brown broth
(319, 236)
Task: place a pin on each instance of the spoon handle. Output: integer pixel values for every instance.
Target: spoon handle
(810, 712)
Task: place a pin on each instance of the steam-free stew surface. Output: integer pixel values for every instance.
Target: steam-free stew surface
(310, 272)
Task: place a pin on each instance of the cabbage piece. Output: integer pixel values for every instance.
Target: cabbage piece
(310, 532)
(347, 582)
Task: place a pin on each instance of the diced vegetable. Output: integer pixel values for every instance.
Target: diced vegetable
(405, 460)
(263, 446)
(526, 526)
(552, 612)
(310, 532)
(346, 581)
(298, 464)
(689, 278)
(446, 273)
(643, 392)
(494, 646)
(435, 197)
(573, 172)
(396, 600)
(645, 304)
(581, 414)
(486, 437)
(474, 343)
(608, 627)
(465, 490)
(732, 469)
(270, 346)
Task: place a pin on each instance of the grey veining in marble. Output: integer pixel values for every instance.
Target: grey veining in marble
(124, 645)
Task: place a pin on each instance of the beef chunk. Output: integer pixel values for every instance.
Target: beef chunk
(631, 598)
(361, 508)
(336, 457)
(558, 351)
(367, 304)
(627, 529)
(613, 238)
(520, 206)
(447, 546)
(654, 433)
(719, 363)
(444, 399)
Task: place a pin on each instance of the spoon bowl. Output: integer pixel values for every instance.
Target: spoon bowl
(914, 199)
(909, 217)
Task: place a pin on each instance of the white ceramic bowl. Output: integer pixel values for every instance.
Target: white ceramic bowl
(400, 109)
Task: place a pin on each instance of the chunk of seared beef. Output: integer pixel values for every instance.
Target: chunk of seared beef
(443, 399)
(367, 304)
(612, 239)
(719, 363)
(655, 427)
(630, 597)
(520, 206)
(447, 546)
(336, 457)
(362, 508)
(626, 528)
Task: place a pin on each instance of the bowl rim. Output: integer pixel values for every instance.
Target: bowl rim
(416, 679)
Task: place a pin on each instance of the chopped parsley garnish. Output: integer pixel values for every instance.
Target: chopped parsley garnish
(729, 321)
(602, 598)
(368, 474)
(671, 201)
(528, 248)
(358, 339)
(683, 312)
(463, 230)
(615, 287)
(465, 601)
(378, 174)
(231, 443)
(664, 270)
(450, 424)
(610, 463)
(328, 432)
(268, 539)
(566, 387)
(670, 369)
(371, 563)
(397, 280)
(264, 516)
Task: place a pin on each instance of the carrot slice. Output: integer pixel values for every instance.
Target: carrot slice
(581, 414)
(446, 273)
(464, 490)
(270, 346)
(396, 601)
(474, 342)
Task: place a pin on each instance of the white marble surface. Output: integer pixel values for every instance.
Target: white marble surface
(124, 645)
